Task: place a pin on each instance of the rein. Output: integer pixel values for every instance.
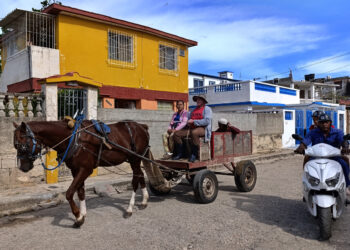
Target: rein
(76, 126)
(30, 134)
(32, 156)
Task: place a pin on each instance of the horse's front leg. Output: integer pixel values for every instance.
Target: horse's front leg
(81, 195)
(145, 195)
(137, 178)
(78, 183)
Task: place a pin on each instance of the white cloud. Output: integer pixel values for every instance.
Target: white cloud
(228, 35)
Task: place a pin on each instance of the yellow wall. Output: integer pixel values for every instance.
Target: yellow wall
(83, 47)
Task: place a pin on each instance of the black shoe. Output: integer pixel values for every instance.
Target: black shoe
(194, 154)
(178, 152)
(192, 158)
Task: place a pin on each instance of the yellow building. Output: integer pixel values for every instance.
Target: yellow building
(138, 66)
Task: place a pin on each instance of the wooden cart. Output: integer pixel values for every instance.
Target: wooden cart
(224, 147)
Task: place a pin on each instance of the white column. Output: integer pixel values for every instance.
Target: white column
(92, 96)
(312, 90)
(51, 109)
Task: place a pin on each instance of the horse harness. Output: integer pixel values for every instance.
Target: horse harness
(101, 129)
(23, 148)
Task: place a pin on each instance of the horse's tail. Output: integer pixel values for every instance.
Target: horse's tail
(154, 174)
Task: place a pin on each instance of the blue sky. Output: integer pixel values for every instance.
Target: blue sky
(252, 38)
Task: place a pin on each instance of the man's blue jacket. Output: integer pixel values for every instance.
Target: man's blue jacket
(316, 136)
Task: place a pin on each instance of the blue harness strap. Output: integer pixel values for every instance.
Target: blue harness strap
(101, 127)
(78, 122)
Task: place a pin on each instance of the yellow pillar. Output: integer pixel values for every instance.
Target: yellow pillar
(51, 162)
(94, 173)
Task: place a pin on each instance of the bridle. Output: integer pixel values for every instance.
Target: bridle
(23, 149)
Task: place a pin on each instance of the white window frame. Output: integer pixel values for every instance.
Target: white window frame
(198, 80)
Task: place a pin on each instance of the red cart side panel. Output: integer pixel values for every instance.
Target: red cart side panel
(224, 145)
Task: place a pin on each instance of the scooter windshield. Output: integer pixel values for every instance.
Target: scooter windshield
(323, 150)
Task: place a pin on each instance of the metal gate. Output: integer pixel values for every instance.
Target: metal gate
(335, 119)
(71, 100)
(299, 124)
(309, 120)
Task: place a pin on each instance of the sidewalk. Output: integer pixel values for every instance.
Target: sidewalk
(40, 196)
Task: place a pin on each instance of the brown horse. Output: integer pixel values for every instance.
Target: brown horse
(85, 153)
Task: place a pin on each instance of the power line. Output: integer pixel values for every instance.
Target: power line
(312, 64)
(344, 66)
(322, 61)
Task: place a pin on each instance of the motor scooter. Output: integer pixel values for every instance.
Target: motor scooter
(324, 187)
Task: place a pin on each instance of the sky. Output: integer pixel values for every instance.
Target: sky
(261, 39)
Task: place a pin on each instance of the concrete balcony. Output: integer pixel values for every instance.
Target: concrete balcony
(31, 62)
(240, 95)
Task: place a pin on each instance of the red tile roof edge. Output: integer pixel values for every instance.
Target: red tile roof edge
(56, 8)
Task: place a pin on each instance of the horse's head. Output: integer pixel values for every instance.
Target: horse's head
(27, 147)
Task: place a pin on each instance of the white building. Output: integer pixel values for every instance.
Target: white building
(243, 96)
(196, 80)
(225, 94)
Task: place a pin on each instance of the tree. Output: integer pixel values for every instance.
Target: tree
(46, 3)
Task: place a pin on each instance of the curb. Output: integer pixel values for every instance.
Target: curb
(33, 202)
(16, 204)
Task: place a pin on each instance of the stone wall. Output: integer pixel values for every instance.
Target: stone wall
(10, 176)
(267, 133)
(267, 128)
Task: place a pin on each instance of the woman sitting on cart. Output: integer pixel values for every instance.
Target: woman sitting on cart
(198, 125)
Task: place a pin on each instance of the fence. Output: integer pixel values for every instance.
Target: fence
(21, 105)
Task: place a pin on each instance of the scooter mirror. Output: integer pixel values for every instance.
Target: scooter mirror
(297, 137)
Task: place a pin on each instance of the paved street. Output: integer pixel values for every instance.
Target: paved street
(272, 216)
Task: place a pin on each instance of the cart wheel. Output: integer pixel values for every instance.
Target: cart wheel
(205, 186)
(245, 176)
(158, 192)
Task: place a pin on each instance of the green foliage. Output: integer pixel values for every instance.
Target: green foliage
(46, 3)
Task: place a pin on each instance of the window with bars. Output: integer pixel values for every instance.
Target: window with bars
(120, 47)
(167, 57)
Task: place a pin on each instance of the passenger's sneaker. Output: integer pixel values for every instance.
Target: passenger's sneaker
(167, 156)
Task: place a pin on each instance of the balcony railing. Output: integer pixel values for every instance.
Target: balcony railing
(20, 105)
(228, 87)
(216, 88)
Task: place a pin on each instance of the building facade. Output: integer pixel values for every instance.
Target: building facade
(138, 66)
(244, 96)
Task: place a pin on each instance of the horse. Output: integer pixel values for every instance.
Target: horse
(87, 152)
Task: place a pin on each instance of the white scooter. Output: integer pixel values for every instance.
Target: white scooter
(324, 187)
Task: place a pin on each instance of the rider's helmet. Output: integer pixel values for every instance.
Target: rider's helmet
(324, 118)
(317, 113)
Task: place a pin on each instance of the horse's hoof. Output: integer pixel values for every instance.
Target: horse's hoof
(78, 223)
(143, 206)
(127, 215)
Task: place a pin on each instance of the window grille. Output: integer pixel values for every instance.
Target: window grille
(28, 28)
(168, 58)
(121, 48)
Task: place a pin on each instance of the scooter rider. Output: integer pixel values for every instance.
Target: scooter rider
(324, 133)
